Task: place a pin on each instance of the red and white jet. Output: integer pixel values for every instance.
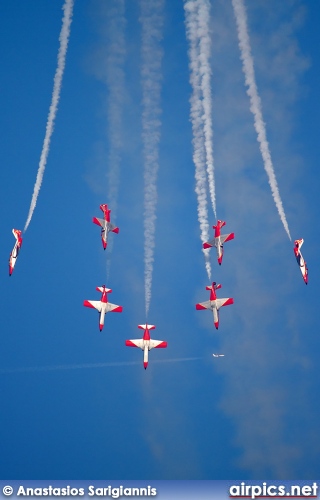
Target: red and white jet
(102, 305)
(219, 240)
(214, 303)
(146, 343)
(105, 224)
(16, 249)
(301, 262)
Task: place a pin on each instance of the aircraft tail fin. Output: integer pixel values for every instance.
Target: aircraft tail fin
(16, 233)
(299, 243)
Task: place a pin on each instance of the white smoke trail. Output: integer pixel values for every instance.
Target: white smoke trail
(204, 41)
(88, 365)
(196, 112)
(255, 105)
(64, 39)
(151, 53)
(115, 81)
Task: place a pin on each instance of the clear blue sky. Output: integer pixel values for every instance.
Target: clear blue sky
(252, 414)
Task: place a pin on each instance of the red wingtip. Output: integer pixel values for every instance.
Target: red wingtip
(206, 245)
(199, 307)
(117, 309)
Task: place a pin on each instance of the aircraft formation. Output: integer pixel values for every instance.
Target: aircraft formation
(103, 306)
(214, 304)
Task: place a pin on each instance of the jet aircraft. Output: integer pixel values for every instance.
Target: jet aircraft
(214, 303)
(218, 355)
(16, 249)
(219, 240)
(146, 343)
(102, 305)
(301, 262)
(105, 225)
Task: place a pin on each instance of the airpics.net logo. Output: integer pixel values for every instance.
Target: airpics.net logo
(265, 490)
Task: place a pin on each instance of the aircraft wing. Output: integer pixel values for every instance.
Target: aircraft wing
(157, 343)
(99, 222)
(135, 343)
(204, 305)
(112, 227)
(114, 308)
(226, 237)
(224, 302)
(95, 304)
(209, 244)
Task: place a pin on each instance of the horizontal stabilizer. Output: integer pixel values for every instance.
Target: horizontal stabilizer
(220, 224)
(143, 327)
(16, 233)
(101, 289)
(297, 242)
(213, 286)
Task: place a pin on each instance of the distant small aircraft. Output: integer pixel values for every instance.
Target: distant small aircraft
(105, 225)
(301, 262)
(218, 355)
(214, 303)
(146, 343)
(16, 249)
(102, 305)
(219, 240)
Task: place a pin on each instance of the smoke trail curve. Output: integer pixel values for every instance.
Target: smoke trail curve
(151, 19)
(64, 39)
(255, 105)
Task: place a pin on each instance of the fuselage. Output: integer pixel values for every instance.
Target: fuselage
(217, 236)
(15, 251)
(104, 306)
(213, 304)
(300, 260)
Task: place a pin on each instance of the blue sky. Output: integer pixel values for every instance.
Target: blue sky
(253, 413)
